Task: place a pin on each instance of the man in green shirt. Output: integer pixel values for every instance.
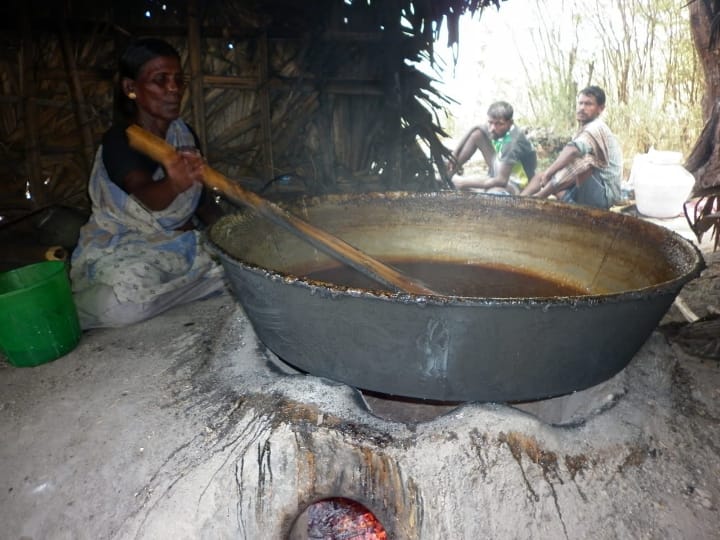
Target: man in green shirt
(509, 155)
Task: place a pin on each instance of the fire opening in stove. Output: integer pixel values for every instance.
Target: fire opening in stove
(337, 518)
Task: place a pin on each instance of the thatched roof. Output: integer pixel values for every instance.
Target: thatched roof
(323, 92)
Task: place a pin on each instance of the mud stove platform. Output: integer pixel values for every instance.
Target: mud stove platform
(205, 434)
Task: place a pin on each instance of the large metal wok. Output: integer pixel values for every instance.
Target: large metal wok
(455, 348)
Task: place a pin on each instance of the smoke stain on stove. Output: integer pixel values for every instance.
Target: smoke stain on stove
(367, 476)
(264, 465)
(577, 464)
(514, 442)
(520, 444)
(479, 442)
(635, 457)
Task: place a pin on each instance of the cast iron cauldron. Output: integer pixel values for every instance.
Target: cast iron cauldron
(455, 348)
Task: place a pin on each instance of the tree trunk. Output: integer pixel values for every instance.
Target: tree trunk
(701, 16)
(703, 215)
(704, 160)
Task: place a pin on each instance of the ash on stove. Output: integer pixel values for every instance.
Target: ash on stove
(568, 410)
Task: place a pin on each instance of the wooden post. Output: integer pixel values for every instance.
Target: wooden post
(396, 70)
(29, 93)
(196, 74)
(397, 178)
(265, 117)
(327, 136)
(78, 98)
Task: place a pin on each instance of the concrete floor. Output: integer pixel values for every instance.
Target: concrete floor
(83, 435)
(185, 427)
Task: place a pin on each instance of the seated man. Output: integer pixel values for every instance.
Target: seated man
(589, 169)
(509, 155)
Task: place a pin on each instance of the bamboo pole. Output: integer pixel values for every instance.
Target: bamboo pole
(265, 119)
(397, 179)
(196, 74)
(359, 87)
(78, 98)
(29, 92)
(325, 121)
(159, 150)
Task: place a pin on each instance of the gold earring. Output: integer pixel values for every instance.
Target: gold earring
(132, 95)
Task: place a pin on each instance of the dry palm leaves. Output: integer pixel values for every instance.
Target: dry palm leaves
(700, 338)
(703, 215)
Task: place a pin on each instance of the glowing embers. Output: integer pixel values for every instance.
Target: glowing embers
(337, 519)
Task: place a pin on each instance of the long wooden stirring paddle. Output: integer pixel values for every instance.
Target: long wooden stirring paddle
(159, 150)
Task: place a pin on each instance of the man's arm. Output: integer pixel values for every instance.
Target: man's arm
(567, 155)
(541, 184)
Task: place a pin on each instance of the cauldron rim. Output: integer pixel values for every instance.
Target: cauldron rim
(693, 268)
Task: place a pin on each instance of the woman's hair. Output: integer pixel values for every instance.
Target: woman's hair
(136, 55)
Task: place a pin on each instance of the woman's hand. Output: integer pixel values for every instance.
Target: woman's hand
(185, 168)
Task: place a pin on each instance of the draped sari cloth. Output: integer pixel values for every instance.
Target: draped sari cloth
(130, 262)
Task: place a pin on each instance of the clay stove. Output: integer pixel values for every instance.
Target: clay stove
(634, 457)
(610, 459)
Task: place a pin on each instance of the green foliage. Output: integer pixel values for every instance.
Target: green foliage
(550, 72)
(640, 125)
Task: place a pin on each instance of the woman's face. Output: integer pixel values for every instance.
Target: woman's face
(159, 89)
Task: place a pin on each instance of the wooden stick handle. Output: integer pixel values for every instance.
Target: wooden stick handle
(159, 150)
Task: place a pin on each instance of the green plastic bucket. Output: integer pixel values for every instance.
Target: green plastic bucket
(38, 318)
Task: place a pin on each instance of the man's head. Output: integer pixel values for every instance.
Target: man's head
(590, 104)
(500, 119)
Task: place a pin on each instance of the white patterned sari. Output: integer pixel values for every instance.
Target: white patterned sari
(130, 262)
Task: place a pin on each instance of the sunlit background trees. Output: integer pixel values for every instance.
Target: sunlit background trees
(537, 54)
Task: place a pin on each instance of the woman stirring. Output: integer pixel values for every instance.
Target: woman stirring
(139, 254)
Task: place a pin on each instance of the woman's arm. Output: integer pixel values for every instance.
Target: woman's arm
(180, 174)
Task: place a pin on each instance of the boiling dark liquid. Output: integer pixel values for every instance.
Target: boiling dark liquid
(458, 279)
